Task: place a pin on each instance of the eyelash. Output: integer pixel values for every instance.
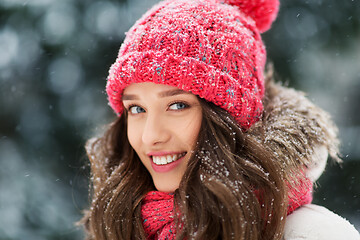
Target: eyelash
(186, 105)
(180, 102)
(131, 106)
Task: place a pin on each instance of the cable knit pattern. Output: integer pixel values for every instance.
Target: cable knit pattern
(158, 215)
(300, 195)
(157, 210)
(206, 47)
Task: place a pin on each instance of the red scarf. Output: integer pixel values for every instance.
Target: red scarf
(158, 215)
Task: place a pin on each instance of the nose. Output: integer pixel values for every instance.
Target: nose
(156, 130)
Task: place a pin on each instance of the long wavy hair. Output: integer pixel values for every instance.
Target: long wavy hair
(232, 189)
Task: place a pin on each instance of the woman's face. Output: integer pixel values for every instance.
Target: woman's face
(163, 127)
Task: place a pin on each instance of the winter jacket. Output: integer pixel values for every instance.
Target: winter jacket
(303, 136)
(313, 222)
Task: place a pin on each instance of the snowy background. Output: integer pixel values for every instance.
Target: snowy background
(54, 58)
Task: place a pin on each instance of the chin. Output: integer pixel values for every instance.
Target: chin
(167, 187)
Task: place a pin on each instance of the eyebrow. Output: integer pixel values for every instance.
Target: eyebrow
(163, 94)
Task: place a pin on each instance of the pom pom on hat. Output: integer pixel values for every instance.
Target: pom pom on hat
(263, 12)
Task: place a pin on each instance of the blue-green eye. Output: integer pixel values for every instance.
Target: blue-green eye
(178, 106)
(136, 109)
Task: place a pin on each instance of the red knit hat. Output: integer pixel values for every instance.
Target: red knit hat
(210, 48)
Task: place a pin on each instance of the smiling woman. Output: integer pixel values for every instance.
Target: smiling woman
(204, 147)
(163, 123)
(195, 158)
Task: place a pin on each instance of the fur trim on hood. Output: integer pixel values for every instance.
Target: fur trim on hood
(299, 133)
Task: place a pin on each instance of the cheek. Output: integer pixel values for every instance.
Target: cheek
(196, 131)
(134, 136)
(190, 129)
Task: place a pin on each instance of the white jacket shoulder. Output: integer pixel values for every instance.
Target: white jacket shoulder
(314, 222)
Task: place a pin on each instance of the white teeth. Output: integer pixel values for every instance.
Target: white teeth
(162, 160)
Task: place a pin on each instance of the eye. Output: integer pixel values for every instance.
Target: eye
(178, 106)
(135, 109)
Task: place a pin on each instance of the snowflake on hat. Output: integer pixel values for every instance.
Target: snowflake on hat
(206, 47)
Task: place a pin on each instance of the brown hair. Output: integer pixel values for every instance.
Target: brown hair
(232, 188)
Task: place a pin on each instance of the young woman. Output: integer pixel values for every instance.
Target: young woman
(201, 148)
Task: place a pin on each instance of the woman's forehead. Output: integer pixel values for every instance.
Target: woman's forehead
(149, 86)
(136, 90)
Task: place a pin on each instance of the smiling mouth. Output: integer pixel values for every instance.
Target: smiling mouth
(166, 159)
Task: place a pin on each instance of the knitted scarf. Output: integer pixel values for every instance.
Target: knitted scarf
(158, 215)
